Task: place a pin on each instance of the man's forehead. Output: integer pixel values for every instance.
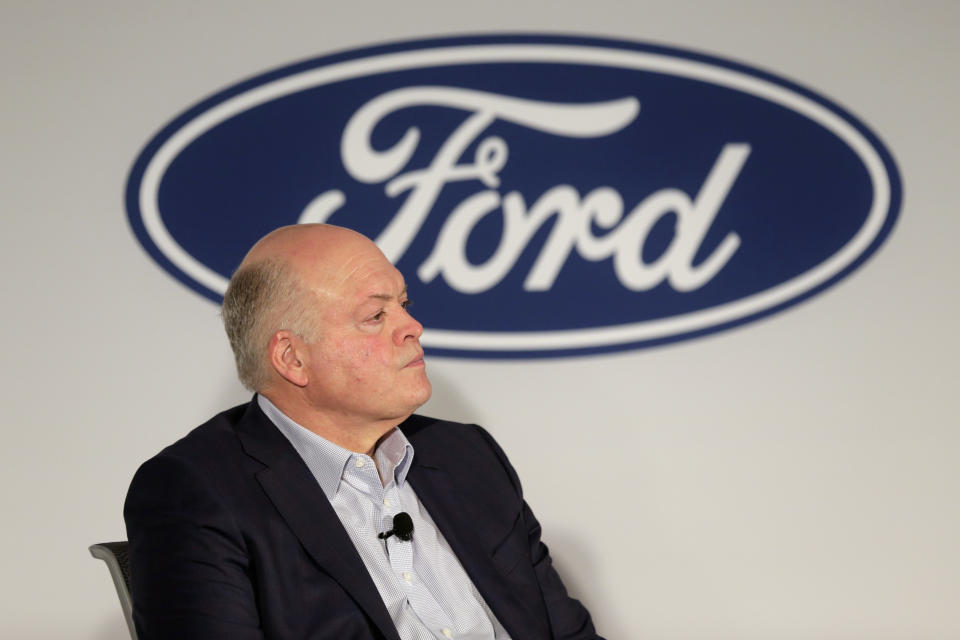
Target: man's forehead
(382, 284)
(359, 281)
(388, 296)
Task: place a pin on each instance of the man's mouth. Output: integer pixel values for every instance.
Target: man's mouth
(416, 362)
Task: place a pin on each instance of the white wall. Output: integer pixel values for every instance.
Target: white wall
(793, 478)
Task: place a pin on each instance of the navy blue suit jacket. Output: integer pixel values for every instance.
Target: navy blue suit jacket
(231, 537)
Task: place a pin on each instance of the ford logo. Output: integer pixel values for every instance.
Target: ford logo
(544, 195)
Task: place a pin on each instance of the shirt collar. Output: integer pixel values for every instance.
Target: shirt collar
(327, 461)
(395, 453)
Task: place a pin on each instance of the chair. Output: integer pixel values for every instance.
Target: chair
(115, 554)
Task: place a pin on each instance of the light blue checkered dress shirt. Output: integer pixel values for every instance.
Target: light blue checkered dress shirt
(425, 589)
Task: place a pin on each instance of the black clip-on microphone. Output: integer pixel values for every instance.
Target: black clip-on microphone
(402, 528)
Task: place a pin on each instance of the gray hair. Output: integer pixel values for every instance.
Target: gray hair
(261, 299)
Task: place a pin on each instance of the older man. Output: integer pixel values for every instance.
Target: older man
(324, 508)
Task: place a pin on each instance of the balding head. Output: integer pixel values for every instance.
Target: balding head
(278, 286)
(309, 246)
(317, 317)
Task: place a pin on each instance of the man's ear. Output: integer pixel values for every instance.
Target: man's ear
(288, 358)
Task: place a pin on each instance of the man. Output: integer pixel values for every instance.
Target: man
(290, 517)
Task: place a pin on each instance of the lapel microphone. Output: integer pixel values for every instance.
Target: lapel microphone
(402, 528)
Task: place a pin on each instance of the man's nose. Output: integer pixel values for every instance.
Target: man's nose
(409, 328)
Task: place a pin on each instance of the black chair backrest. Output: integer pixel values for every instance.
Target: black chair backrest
(116, 555)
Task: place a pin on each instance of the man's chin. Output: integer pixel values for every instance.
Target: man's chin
(416, 397)
(425, 392)
(421, 395)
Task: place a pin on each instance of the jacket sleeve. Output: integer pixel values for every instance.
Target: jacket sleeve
(569, 619)
(189, 567)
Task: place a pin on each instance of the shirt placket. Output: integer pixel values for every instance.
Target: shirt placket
(400, 553)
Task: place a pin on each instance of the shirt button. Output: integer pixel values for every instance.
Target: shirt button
(447, 633)
(359, 462)
(386, 502)
(408, 577)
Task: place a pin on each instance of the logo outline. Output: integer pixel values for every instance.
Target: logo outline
(144, 179)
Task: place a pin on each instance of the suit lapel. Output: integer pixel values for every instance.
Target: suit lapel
(436, 493)
(301, 502)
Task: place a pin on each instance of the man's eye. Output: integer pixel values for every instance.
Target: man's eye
(406, 303)
(378, 316)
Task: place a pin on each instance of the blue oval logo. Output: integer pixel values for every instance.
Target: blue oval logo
(544, 195)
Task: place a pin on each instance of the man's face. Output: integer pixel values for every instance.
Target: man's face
(367, 363)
